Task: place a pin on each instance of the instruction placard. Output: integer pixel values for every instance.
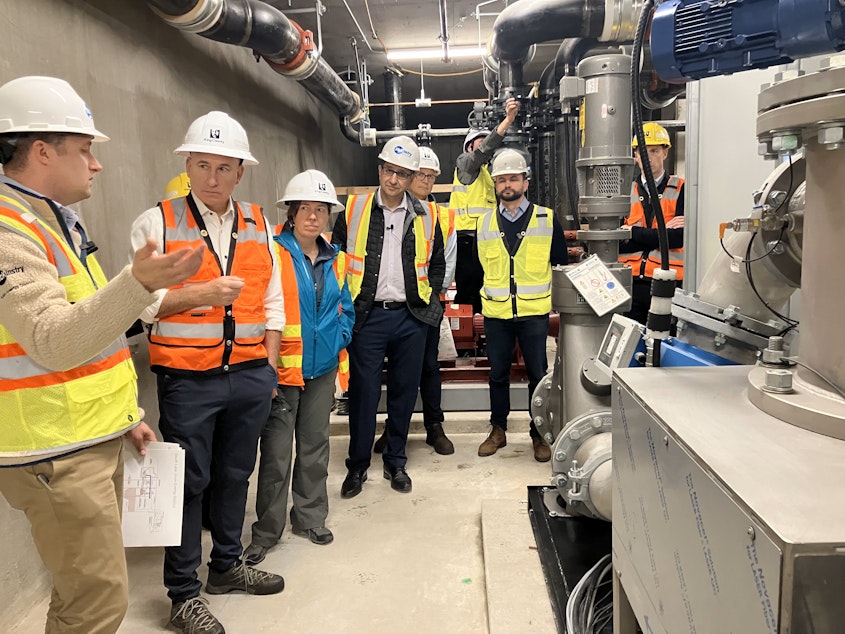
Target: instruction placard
(594, 281)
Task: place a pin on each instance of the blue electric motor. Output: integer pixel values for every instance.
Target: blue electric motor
(694, 39)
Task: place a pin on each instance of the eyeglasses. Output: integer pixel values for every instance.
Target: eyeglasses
(402, 176)
(429, 178)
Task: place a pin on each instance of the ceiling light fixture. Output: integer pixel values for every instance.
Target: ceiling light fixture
(435, 53)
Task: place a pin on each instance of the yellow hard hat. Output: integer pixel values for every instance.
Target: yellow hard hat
(655, 134)
(178, 187)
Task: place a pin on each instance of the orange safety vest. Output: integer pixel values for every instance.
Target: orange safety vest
(46, 412)
(644, 264)
(290, 351)
(215, 339)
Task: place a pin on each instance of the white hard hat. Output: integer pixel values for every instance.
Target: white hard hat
(310, 185)
(508, 162)
(44, 104)
(473, 134)
(429, 160)
(217, 133)
(401, 151)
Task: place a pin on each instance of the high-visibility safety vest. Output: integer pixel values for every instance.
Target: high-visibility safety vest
(472, 201)
(291, 349)
(358, 210)
(446, 218)
(215, 339)
(45, 412)
(643, 264)
(518, 286)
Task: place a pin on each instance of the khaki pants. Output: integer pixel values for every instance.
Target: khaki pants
(73, 505)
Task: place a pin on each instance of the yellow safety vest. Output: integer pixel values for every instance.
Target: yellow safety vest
(46, 411)
(530, 290)
(472, 201)
(358, 228)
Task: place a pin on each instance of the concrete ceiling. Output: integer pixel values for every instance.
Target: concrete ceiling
(405, 24)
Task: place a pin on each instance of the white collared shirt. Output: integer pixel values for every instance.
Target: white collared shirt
(390, 286)
(151, 225)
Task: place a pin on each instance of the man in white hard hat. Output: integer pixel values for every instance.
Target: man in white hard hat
(430, 386)
(517, 244)
(68, 391)
(642, 251)
(214, 344)
(396, 269)
(473, 195)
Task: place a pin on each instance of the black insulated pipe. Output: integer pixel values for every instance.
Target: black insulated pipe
(267, 31)
(393, 90)
(522, 24)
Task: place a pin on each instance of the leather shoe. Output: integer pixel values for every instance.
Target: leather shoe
(399, 479)
(381, 443)
(352, 484)
(319, 535)
(495, 441)
(542, 452)
(436, 437)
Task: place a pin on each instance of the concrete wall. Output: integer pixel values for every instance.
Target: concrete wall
(145, 82)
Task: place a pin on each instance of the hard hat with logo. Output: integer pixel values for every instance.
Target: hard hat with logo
(44, 104)
(217, 133)
(401, 151)
(310, 185)
(178, 187)
(655, 134)
(428, 159)
(473, 134)
(508, 161)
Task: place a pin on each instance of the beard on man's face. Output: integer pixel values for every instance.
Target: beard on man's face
(509, 195)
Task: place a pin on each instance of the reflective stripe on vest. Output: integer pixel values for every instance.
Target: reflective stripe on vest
(45, 411)
(530, 291)
(290, 352)
(472, 201)
(358, 210)
(206, 338)
(643, 264)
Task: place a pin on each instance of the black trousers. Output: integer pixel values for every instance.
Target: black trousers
(217, 421)
(399, 336)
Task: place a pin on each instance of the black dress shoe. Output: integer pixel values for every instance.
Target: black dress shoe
(399, 479)
(352, 484)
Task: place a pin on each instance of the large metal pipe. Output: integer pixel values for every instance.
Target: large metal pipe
(444, 32)
(267, 31)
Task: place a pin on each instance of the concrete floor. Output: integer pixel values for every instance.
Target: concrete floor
(456, 554)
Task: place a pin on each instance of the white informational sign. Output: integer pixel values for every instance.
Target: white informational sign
(594, 281)
(153, 489)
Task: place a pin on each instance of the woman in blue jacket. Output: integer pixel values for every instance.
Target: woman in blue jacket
(318, 327)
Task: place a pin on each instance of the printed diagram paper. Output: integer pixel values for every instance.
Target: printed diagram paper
(153, 488)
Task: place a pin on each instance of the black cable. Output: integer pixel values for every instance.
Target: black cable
(777, 209)
(754, 288)
(636, 102)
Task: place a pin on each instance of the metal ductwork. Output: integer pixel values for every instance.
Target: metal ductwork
(285, 47)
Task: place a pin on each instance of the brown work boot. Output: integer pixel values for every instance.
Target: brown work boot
(495, 441)
(542, 452)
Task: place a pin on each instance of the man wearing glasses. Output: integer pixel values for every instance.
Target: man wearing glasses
(430, 386)
(396, 269)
